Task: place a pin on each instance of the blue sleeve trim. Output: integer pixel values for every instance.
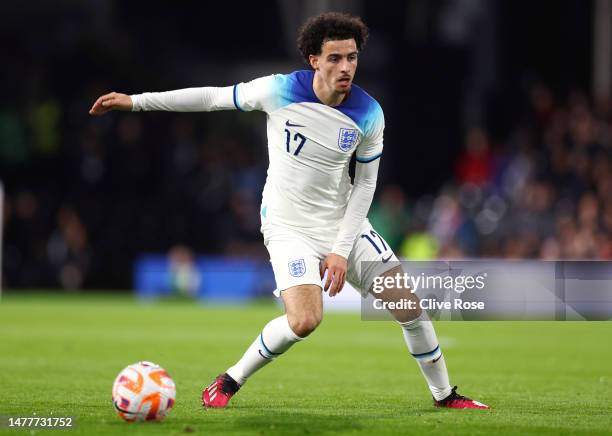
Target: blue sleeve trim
(368, 159)
(236, 99)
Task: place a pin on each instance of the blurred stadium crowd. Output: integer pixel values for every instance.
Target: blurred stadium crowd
(543, 192)
(129, 184)
(85, 197)
(111, 189)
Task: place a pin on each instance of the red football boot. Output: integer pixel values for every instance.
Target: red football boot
(219, 392)
(456, 401)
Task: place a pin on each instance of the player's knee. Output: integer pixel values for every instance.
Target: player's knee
(305, 323)
(410, 309)
(407, 315)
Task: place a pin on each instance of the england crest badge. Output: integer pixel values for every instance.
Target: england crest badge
(297, 268)
(347, 138)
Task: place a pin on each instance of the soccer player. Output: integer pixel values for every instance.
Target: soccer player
(312, 219)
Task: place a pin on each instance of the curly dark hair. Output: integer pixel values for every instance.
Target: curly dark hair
(330, 26)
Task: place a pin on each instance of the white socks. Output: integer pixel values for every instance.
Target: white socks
(276, 338)
(422, 342)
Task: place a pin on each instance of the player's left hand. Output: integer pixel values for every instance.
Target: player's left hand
(336, 267)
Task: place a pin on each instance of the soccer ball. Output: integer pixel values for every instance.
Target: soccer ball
(143, 391)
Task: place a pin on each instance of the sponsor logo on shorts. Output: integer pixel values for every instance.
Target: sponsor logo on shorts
(297, 268)
(347, 138)
(385, 260)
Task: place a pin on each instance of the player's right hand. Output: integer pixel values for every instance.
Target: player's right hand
(336, 267)
(111, 101)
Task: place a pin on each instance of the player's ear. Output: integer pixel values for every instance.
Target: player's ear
(314, 61)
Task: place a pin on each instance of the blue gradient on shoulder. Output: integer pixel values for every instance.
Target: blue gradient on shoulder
(296, 87)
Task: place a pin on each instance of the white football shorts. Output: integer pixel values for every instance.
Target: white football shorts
(295, 257)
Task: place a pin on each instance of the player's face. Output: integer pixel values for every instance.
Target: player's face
(336, 64)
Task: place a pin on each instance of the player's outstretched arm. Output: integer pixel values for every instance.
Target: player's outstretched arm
(111, 101)
(181, 100)
(258, 94)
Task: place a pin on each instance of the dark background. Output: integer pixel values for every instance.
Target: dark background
(495, 145)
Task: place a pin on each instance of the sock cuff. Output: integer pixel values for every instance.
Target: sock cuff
(290, 332)
(414, 323)
(276, 337)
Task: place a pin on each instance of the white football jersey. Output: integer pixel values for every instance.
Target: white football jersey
(310, 146)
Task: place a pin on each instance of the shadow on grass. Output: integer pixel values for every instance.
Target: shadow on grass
(270, 421)
(298, 423)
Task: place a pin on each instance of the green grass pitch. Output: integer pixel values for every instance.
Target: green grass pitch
(60, 354)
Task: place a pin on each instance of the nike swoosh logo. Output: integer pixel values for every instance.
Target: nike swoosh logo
(290, 124)
(387, 259)
(261, 354)
(435, 360)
